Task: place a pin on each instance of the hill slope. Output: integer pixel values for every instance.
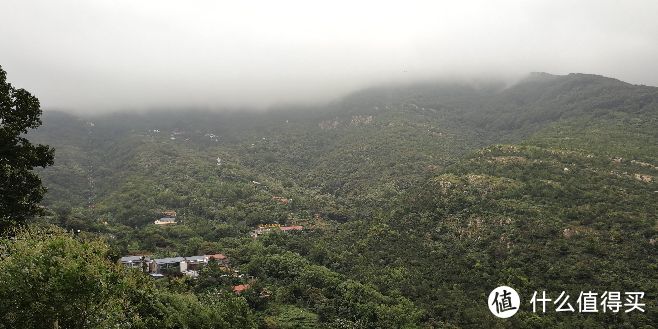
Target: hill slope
(430, 194)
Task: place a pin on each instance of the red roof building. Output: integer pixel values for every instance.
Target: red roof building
(240, 288)
(217, 256)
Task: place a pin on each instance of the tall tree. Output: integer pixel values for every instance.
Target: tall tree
(20, 187)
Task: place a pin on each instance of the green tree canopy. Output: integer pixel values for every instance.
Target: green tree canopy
(20, 188)
(53, 279)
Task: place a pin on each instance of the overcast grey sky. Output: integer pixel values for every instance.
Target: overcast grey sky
(101, 55)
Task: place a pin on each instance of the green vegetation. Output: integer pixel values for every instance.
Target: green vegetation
(51, 278)
(416, 202)
(20, 188)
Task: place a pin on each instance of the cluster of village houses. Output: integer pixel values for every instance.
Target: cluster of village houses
(158, 267)
(190, 266)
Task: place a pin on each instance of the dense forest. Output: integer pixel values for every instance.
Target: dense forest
(415, 202)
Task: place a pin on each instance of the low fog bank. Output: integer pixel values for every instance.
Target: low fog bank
(324, 101)
(448, 88)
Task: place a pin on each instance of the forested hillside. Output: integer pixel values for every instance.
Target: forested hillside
(416, 200)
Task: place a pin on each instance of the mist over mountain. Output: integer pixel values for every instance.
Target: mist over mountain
(90, 57)
(338, 165)
(429, 193)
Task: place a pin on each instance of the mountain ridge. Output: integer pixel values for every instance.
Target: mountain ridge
(433, 196)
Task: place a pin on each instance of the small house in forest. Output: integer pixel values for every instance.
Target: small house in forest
(169, 213)
(240, 288)
(165, 221)
(221, 259)
(143, 262)
(169, 265)
(189, 265)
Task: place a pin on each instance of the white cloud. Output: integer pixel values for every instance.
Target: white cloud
(114, 54)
